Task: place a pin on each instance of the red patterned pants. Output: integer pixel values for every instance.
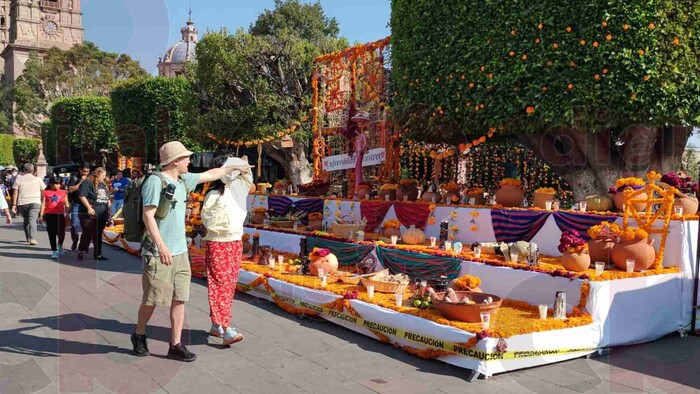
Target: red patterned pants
(223, 260)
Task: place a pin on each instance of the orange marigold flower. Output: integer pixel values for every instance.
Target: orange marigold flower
(544, 88)
(471, 84)
(555, 45)
(537, 41)
(633, 96)
(511, 53)
(604, 23)
(539, 26)
(676, 41)
(491, 75)
(595, 44)
(572, 64)
(549, 64)
(530, 109)
(646, 77)
(513, 32)
(605, 71)
(652, 26)
(524, 57)
(463, 76)
(571, 86)
(625, 26)
(582, 42)
(473, 228)
(608, 37)
(482, 105)
(431, 221)
(437, 80)
(568, 29)
(483, 68)
(641, 52)
(596, 77)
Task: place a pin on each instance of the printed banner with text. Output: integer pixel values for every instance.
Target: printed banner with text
(345, 162)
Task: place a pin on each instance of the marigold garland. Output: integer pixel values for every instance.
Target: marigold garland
(511, 182)
(466, 282)
(392, 223)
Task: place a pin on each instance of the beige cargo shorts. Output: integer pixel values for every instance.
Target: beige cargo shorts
(164, 283)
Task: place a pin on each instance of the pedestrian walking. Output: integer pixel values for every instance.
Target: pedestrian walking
(94, 212)
(5, 207)
(73, 186)
(119, 184)
(223, 213)
(166, 276)
(26, 200)
(54, 210)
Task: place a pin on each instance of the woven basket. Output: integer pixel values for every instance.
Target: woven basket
(347, 230)
(383, 287)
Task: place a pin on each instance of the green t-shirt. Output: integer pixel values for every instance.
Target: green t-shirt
(172, 227)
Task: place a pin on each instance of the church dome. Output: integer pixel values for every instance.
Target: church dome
(181, 52)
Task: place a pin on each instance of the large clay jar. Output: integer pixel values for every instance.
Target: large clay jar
(410, 192)
(452, 198)
(363, 194)
(315, 225)
(640, 250)
(577, 262)
(539, 199)
(689, 203)
(389, 231)
(619, 200)
(478, 199)
(510, 196)
(601, 249)
(258, 217)
(599, 203)
(389, 192)
(429, 196)
(329, 265)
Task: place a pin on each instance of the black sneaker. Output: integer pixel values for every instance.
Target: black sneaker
(101, 258)
(140, 347)
(180, 352)
(74, 245)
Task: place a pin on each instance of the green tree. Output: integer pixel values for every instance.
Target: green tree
(150, 112)
(592, 86)
(83, 70)
(79, 128)
(256, 84)
(25, 150)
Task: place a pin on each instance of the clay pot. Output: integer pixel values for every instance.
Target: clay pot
(247, 246)
(391, 193)
(600, 203)
(689, 204)
(329, 264)
(452, 198)
(470, 313)
(640, 250)
(428, 197)
(478, 199)
(410, 191)
(259, 217)
(389, 231)
(510, 196)
(315, 225)
(619, 200)
(577, 262)
(601, 249)
(363, 194)
(539, 199)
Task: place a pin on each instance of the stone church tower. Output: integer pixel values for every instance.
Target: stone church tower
(35, 26)
(173, 63)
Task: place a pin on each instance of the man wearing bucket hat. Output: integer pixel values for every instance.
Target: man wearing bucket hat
(166, 274)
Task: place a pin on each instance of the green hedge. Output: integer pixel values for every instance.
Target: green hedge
(86, 124)
(25, 150)
(148, 113)
(470, 66)
(6, 156)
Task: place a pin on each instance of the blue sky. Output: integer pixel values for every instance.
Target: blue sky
(144, 29)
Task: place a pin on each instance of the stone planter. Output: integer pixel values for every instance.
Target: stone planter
(640, 250)
(688, 202)
(410, 191)
(601, 249)
(619, 199)
(539, 199)
(577, 262)
(510, 196)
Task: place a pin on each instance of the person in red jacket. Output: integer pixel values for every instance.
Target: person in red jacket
(54, 209)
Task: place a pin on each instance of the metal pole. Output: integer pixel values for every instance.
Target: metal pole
(696, 279)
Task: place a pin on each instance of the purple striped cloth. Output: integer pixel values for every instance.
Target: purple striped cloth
(580, 222)
(280, 204)
(517, 225)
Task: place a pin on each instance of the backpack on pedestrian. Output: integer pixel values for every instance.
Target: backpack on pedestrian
(132, 211)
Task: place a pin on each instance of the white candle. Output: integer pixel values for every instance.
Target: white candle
(370, 291)
(399, 299)
(324, 280)
(678, 211)
(433, 241)
(271, 262)
(280, 259)
(477, 252)
(386, 197)
(405, 198)
(630, 265)
(556, 205)
(296, 227)
(599, 268)
(394, 239)
(320, 272)
(582, 206)
(543, 312)
(485, 320)
(472, 201)
(548, 205)
(448, 246)
(514, 257)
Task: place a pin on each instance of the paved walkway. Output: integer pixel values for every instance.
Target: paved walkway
(65, 326)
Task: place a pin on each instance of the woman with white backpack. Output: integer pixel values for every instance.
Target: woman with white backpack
(223, 213)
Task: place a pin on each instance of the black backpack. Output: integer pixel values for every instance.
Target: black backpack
(134, 227)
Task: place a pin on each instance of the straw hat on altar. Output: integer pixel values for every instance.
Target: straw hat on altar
(361, 117)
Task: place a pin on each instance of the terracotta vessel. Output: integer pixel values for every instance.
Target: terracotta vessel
(599, 202)
(601, 249)
(619, 200)
(478, 199)
(510, 196)
(390, 192)
(577, 262)
(470, 313)
(259, 217)
(689, 204)
(363, 194)
(539, 199)
(329, 264)
(428, 197)
(315, 225)
(410, 191)
(452, 198)
(247, 246)
(640, 250)
(389, 231)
